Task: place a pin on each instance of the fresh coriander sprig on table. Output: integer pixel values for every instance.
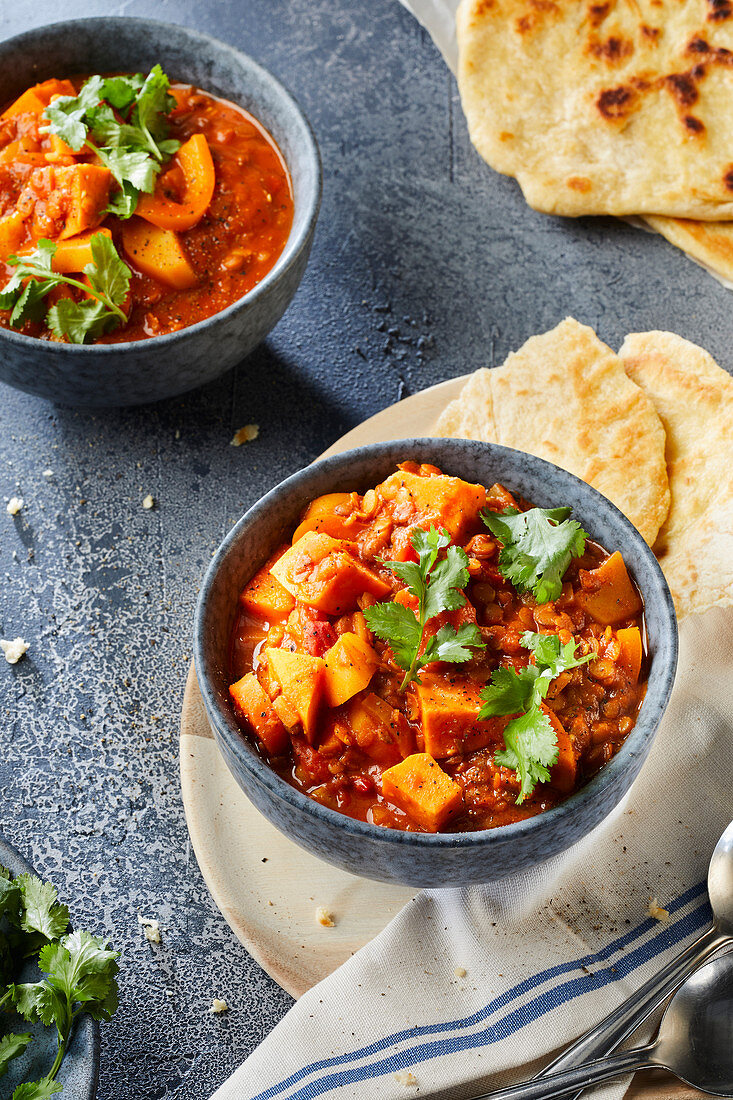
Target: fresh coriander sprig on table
(122, 120)
(98, 312)
(537, 547)
(78, 973)
(437, 585)
(530, 741)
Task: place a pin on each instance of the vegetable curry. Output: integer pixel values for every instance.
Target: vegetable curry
(191, 193)
(433, 655)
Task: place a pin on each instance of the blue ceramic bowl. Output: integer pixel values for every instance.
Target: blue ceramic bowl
(79, 1071)
(420, 859)
(147, 370)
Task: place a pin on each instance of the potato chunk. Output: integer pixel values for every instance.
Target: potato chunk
(301, 680)
(323, 572)
(445, 501)
(420, 787)
(257, 709)
(449, 709)
(329, 515)
(350, 665)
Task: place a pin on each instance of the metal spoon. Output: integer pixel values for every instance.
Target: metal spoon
(695, 1042)
(612, 1031)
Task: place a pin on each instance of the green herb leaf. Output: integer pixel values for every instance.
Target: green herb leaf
(123, 120)
(79, 320)
(12, 1045)
(436, 586)
(529, 737)
(538, 546)
(531, 750)
(37, 1090)
(42, 912)
(33, 279)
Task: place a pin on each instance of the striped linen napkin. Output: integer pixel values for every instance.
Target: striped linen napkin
(468, 990)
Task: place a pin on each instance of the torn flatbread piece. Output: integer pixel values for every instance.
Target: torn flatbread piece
(694, 398)
(710, 243)
(564, 396)
(604, 107)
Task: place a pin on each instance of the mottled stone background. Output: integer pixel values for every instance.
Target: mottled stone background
(426, 265)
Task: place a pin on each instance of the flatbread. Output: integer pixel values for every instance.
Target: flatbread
(565, 397)
(604, 106)
(694, 398)
(710, 243)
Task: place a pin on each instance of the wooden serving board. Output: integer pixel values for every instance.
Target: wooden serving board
(267, 888)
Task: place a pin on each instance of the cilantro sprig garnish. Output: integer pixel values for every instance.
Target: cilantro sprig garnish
(97, 313)
(436, 584)
(123, 121)
(77, 973)
(537, 547)
(530, 740)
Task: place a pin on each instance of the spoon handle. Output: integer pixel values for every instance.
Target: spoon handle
(579, 1077)
(607, 1035)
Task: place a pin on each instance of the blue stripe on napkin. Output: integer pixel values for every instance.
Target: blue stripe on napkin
(666, 936)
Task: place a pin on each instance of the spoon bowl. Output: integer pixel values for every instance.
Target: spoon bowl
(720, 882)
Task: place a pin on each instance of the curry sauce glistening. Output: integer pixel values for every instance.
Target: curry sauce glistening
(131, 208)
(433, 655)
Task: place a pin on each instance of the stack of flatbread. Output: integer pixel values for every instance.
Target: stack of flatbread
(609, 107)
(651, 428)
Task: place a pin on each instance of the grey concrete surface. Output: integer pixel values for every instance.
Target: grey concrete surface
(425, 265)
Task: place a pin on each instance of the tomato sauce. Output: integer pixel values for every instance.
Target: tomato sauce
(336, 742)
(233, 246)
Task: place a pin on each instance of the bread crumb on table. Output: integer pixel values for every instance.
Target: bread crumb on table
(404, 1077)
(245, 435)
(14, 505)
(151, 928)
(48, 473)
(657, 911)
(14, 649)
(148, 502)
(460, 972)
(218, 1006)
(324, 917)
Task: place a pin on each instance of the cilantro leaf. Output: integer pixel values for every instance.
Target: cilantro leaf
(551, 656)
(33, 278)
(538, 546)
(530, 740)
(531, 750)
(11, 1046)
(123, 120)
(37, 1001)
(451, 645)
(396, 624)
(42, 912)
(436, 585)
(37, 1090)
(509, 692)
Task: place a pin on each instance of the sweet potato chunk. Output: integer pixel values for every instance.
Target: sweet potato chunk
(381, 731)
(257, 709)
(616, 599)
(301, 680)
(449, 709)
(323, 573)
(629, 639)
(445, 501)
(265, 597)
(34, 100)
(350, 665)
(158, 253)
(12, 233)
(563, 773)
(420, 787)
(62, 201)
(323, 516)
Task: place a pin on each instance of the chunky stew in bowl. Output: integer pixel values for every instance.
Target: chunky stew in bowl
(435, 655)
(131, 207)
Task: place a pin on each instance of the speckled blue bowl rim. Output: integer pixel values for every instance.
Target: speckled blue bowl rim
(83, 1086)
(294, 243)
(657, 695)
